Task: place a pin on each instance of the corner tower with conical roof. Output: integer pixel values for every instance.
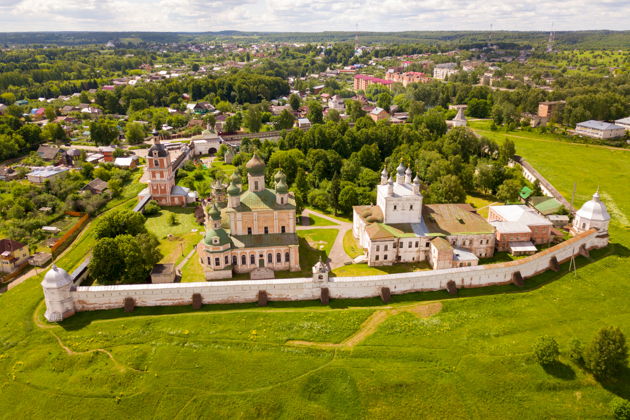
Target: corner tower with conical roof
(592, 215)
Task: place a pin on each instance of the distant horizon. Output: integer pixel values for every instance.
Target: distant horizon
(310, 15)
(312, 32)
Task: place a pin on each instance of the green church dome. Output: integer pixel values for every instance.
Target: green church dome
(255, 166)
(233, 189)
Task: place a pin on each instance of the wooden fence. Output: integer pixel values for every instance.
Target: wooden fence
(69, 236)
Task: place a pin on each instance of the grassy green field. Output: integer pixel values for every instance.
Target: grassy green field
(183, 239)
(351, 245)
(313, 220)
(352, 270)
(320, 239)
(470, 360)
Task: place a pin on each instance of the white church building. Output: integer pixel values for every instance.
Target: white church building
(401, 228)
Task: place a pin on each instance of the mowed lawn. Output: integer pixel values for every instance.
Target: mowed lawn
(471, 360)
(176, 241)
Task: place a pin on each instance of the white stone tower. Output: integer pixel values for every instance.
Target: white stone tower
(57, 285)
(592, 215)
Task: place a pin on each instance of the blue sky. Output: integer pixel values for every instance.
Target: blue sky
(311, 15)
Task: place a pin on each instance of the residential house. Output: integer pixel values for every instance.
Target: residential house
(49, 153)
(96, 186)
(12, 255)
(46, 173)
(129, 162)
(107, 152)
(303, 123)
(379, 114)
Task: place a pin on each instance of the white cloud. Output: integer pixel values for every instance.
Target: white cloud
(310, 15)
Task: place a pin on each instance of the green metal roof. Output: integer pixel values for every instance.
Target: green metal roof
(223, 236)
(525, 192)
(546, 205)
(262, 200)
(257, 241)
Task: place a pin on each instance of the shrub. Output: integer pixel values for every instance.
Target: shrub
(607, 354)
(620, 408)
(576, 351)
(546, 350)
(172, 219)
(151, 209)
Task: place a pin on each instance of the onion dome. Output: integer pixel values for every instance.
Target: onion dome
(282, 187)
(594, 209)
(235, 177)
(255, 166)
(233, 189)
(384, 171)
(401, 169)
(214, 213)
(278, 176)
(408, 171)
(416, 180)
(390, 180)
(56, 277)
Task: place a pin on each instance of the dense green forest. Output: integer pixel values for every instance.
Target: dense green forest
(462, 39)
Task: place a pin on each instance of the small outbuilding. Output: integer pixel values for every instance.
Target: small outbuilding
(163, 273)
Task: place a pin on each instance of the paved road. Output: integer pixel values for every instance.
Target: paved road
(337, 256)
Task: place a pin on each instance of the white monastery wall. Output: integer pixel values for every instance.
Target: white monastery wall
(110, 297)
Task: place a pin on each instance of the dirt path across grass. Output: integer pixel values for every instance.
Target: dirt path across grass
(370, 325)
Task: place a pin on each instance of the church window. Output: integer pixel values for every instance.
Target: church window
(428, 244)
(409, 245)
(217, 262)
(252, 259)
(385, 256)
(286, 257)
(385, 248)
(209, 261)
(395, 206)
(278, 257)
(249, 231)
(156, 163)
(255, 185)
(269, 258)
(394, 245)
(243, 260)
(376, 258)
(234, 260)
(227, 260)
(283, 229)
(266, 230)
(378, 248)
(281, 200)
(411, 207)
(417, 244)
(583, 225)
